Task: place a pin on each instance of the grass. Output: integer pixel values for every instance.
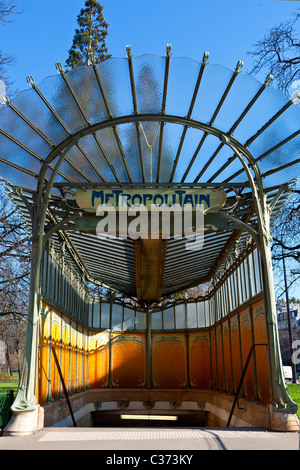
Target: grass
(294, 392)
(10, 384)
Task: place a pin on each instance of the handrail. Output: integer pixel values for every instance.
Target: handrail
(62, 381)
(242, 379)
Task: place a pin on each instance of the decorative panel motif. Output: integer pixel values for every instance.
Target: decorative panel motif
(128, 361)
(262, 362)
(214, 371)
(79, 371)
(247, 341)
(44, 355)
(65, 359)
(169, 364)
(220, 358)
(235, 351)
(98, 360)
(199, 355)
(73, 358)
(214, 359)
(56, 344)
(227, 357)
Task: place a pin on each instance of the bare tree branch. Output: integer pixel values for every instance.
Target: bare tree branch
(279, 53)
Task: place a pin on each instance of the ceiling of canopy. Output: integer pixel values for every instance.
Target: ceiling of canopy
(149, 120)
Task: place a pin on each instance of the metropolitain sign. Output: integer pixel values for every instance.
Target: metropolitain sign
(121, 199)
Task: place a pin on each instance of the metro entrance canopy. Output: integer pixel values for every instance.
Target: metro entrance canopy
(150, 127)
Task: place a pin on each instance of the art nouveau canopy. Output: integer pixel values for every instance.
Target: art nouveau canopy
(148, 122)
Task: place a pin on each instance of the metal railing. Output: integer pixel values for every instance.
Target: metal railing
(6, 401)
(62, 381)
(237, 393)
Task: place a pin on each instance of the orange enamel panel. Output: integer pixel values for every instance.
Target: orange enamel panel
(98, 360)
(214, 377)
(65, 351)
(262, 362)
(56, 339)
(227, 356)
(199, 356)
(246, 336)
(129, 361)
(169, 361)
(43, 356)
(235, 351)
(79, 359)
(85, 359)
(73, 358)
(220, 367)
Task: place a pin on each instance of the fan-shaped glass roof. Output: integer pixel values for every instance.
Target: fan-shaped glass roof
(148, 121)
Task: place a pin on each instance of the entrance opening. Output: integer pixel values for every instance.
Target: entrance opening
(119, 419)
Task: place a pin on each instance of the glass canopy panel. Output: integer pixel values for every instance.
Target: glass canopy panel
(148, 74)
(149, 133)
(283, 127)
(114, 75)
(17, 177)
(190, 143)
(83, 81)
(33, 108)
(77, 168)
(110, 148)
(280, 177)
(209, 145)
(26, 135)
(128, 134)
(214, 82)
(98, 166)
(221, 167)
(239, 97)
(58, 95)
(183, 75)
(115, 154)
(270, 102)
(13, 153)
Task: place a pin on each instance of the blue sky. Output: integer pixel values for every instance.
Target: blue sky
(42, 33)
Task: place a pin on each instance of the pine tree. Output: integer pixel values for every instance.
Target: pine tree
(89, 40)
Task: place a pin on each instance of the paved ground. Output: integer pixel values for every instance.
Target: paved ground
(153, 440)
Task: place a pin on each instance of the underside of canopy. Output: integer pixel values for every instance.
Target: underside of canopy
(148, 122)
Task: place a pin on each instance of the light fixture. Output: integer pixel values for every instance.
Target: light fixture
(150, 417)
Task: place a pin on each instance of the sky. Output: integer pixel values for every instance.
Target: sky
(42, 33)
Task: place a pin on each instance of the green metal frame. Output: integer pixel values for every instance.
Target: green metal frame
(25, 400)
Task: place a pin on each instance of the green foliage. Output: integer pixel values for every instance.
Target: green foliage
(89, 39)
(8, 382)
(294, 392)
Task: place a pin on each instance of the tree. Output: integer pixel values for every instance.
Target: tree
(7, 8)
(14, 262)
(13, 333)
(89, 39)
(286, 244)
(279, 53)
